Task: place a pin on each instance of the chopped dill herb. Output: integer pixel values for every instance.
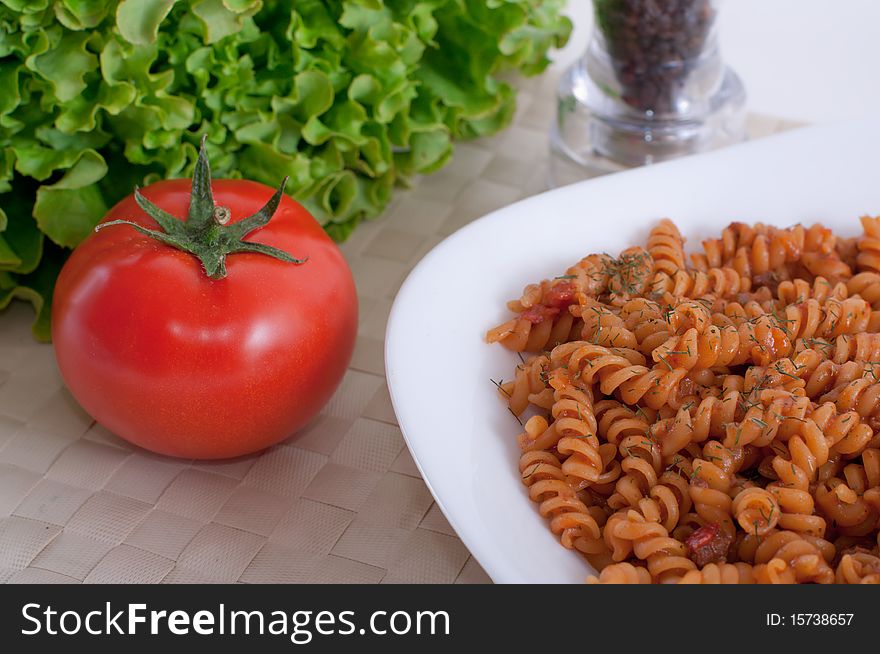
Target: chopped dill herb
(499, 386)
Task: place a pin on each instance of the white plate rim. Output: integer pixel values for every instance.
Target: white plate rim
(496, 567)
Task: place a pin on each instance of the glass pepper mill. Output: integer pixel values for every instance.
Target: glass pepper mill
(651, 86)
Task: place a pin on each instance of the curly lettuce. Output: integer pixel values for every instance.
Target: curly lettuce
(347, 97)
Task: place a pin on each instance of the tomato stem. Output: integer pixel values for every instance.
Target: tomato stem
(206, 233)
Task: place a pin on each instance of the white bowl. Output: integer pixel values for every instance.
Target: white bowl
(438, 366)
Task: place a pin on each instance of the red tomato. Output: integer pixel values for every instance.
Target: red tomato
(184, 365)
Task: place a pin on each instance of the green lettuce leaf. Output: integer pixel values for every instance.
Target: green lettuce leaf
(21, 241)
(138, 20)
(68, 210)
(36, 288)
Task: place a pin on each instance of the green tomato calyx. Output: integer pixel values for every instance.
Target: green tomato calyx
(206, 233)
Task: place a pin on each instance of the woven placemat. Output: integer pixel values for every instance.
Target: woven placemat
(340, 502)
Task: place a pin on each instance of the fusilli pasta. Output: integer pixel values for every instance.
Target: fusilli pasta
(712, 418)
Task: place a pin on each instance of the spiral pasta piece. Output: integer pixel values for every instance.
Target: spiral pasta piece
(708, 417)
(592, 273)
(717, 346)
(720, 573)
(787, 558)
(666, 247)
(763, 420)
(756, 550)
(711, 482)
(800, 290)
(538, 434)
(576, 525)
(676, 433)
(867, 286)
(858, 568)
(528, 386)
(820, 375)
(756, 509)
(640, 471)
(535, 328)
(827, 265)
(868, 259)
(616, 420)
(782, 375)
(797, 507)
(847, 510)
(647, 321)
(869, 472)
(714, 281)
(659, 495)
(573, 412)
(852, 499)
(575, 424)
(860, 396)
(621, 573)
(818, 238)
(602, 325)
(775, 335)
(630, 275)
(628, 532)
(863, 347)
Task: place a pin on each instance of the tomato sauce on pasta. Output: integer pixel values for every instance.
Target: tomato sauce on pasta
(712, 418)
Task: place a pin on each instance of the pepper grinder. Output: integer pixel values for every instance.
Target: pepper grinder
(651, 86)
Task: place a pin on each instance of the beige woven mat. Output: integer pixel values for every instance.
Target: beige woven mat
(340, 502)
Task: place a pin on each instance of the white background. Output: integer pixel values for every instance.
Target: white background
(807, 60)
